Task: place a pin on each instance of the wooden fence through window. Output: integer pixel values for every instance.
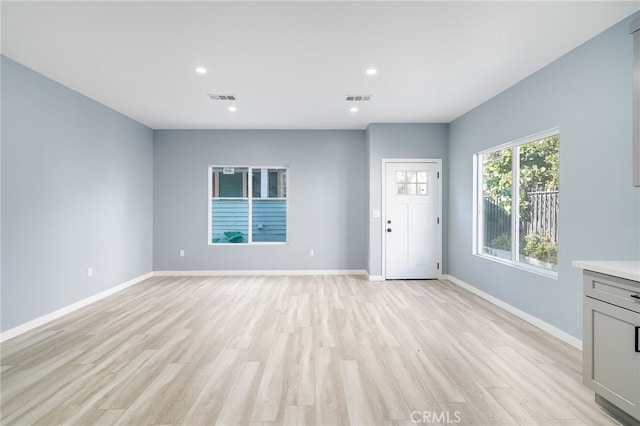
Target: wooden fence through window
(539, 212)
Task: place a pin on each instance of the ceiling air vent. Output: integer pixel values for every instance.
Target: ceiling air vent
(358, 98)
(223, 97)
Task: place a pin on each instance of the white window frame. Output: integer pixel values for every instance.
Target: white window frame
(249, 198)
(477, 227)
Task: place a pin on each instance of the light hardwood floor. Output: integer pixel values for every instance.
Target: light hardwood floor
(324, 350)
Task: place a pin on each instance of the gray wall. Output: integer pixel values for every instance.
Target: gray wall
(401, 141)
(76, 192)
(327, 172)
(587, 93)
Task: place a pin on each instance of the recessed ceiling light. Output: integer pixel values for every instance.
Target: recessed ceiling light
(353, 109)
(201, 70)
(372, 71)
(232, 109)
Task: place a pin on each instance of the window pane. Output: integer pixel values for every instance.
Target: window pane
(229, 221)
(229, 182)
(269, 211)
(256, 182)
(539, 183)
(496, 203)
(283, 179)
(273, 183)
(269, 220)
(269, 183)
(277, 187)
(411, 177)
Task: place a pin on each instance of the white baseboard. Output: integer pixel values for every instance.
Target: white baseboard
(544, 326)
(259, 272)
(23, 328)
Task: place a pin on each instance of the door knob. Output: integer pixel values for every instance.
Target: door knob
(388, 229)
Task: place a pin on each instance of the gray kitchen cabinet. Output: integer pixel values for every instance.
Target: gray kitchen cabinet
(634, 28)
(611, 345)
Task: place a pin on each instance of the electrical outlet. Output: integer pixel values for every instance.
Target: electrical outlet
(312, 252)
(181, 253)
(90, 271)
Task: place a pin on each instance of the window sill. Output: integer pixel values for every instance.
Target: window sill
(519, 265)
(259, 243)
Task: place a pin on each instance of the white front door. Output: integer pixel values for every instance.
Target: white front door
(412, 222)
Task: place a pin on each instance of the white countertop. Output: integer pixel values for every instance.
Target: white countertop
(628, 269)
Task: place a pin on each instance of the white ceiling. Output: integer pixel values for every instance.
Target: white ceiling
(290, 64)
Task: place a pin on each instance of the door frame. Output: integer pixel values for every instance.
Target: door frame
(438, 162)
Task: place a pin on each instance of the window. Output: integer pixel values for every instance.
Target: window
(516, 209)
(247, 205)
(411, 183)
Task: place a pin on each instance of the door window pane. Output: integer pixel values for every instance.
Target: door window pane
(401, 189)
(410, 182)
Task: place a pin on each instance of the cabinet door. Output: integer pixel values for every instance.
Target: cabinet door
(611, 363)
(635, 30)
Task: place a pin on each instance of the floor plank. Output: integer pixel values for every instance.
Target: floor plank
(311, 350)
